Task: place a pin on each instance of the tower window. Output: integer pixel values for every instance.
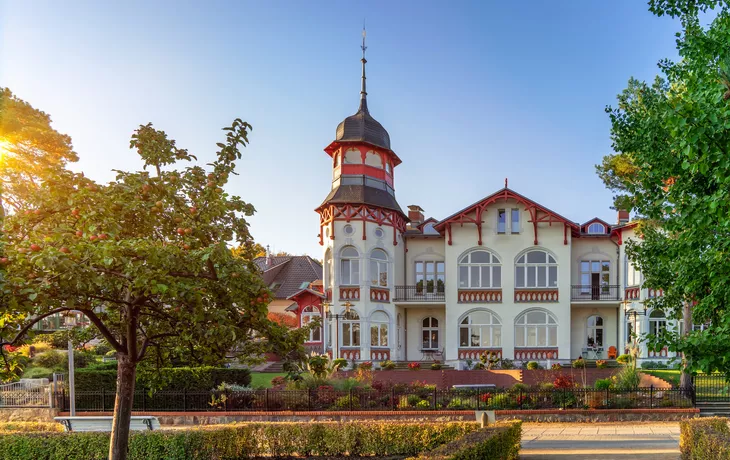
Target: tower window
(501, 221)
(379, 232)
(348, 230)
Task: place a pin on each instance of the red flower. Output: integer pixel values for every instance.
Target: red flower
(486, 397)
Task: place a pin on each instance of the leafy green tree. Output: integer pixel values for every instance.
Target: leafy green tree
(146, 259)
(672, 167)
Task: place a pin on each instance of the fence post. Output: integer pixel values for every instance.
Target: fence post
(563, 398)
(185, 399)
(434, 398)
(392, 398)
(103, 399)
(607, 398)
(266, 400)
(479, 396)
(520, 398)
(350, 399)
(309, 399)
(651, 397)
(225, 402)
(144, 401)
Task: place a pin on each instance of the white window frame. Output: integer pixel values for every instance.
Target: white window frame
(477, 269)
(349, 267)
(585, 288)
(594, 329)
(379, 330)
(591, 230)
(502, 226)
(430, 329)
(349, 324)
(523, 329)
(379, 268)
(657, 324)
(632, 274)
(515, 229)
(490, 330)
(430, 270)
(526, 267)
(308, 314)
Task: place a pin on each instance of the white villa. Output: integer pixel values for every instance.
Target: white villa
(505, 274)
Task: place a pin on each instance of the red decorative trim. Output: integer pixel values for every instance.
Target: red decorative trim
(632, 293)
(328, 294)
(480, 296)
(379, 354)
(536, 353)
(379, 294)
(565, 234)
(350, 293)
(363, 148)
(475, 353)
(448, 229)
(350, 353)
(479, 225)
(652, 293)
(321, 235)
(663, 353)
(328, 214)
(536, 295)
(363, 170)
(533, 219)
(364, 230)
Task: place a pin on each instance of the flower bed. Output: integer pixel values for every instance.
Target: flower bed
(241, 441)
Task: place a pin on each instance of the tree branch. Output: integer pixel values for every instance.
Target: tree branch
(149, 340)
(35, 320)
(104, 330)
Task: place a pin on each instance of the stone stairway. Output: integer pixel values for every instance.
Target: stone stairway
(714, 408)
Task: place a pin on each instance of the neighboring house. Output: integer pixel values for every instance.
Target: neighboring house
(505, 274)
(296, 286)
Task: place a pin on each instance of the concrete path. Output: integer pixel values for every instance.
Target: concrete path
(600, 441)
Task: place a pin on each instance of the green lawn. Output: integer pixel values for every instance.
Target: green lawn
(263, 379)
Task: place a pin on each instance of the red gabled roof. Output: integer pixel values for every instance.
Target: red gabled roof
(461, 217)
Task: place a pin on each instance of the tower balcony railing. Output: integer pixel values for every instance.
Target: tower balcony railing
(420, 294)
(583, 292)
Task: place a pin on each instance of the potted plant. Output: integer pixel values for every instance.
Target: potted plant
(601, 363)
(414, 366)
(367, 365)
(387, 365)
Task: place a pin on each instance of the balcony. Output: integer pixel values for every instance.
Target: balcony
(420, 294)
(590, 293)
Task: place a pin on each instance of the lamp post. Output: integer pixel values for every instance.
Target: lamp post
(326, 305)
(71, 323)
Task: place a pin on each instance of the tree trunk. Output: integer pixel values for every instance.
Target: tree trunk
(685, 380)
(126, 374)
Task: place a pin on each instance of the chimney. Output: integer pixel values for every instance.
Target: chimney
(415, 214)
(269, 258)
(623, 217)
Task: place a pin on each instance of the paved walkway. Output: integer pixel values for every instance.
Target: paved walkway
(600, 441)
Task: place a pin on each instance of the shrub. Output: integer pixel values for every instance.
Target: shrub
(579, 363)
(414, 366)
(387, 365)
(506, 364)
(277, 381)
(546, 386)
(102, 348)
(341, 363)
(81, 359)
(556, 367)
(367, 365)
(239, 441)
(460, 404)
(347, 402)
(704, 438)
(103, 366)
(423, 404)
(29, 427)
(628, 378)
(533, 365)
(649, 365)
(499, 401)
(495, 442)
(601, 364)
(436, 366)
(38, 373)
(563, 381)
(623, 359)
(50, 359)
(603, 384)
(168, 379)
(518, 387)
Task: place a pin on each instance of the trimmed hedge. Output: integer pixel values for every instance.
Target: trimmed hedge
(27, 427)
(500, 442)
(242, 441)
(705, 438)
(177, 378)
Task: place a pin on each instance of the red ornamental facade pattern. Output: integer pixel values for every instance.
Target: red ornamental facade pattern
(379, 295)
(480, 296)
(346, 212)
(536, 295)
(476, 353)
(349, 293)
(523, 354)
(633, 293)
(379, 354)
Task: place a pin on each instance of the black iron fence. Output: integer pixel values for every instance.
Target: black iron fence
(594, 292)
(427, 293)
(711, 387)
(328, 399)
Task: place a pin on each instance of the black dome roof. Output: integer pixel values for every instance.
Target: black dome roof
(362, 127)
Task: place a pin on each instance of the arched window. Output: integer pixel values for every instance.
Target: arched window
(349, 266)
(597, 228)
(430, 334)
(387, 167)
(373, 159)
(657, 322)
(595, 331)
(480, 329)
(536, 328)
(309, 314)
(633, 275)
(536, 269)
(379, 322)
(353, 156)
(480, 269)
(351, 329)
(379, 268)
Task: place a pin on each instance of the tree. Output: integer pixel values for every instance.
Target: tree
(146, 259)
(672, 167)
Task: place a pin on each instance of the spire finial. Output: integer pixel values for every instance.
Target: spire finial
(505, 182)
(363, 92)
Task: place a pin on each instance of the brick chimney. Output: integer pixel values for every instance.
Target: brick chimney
(623, 217)
(415, 214)
(269, 258)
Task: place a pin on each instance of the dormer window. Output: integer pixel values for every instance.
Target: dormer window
(597, 229)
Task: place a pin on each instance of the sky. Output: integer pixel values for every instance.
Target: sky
(470, 92)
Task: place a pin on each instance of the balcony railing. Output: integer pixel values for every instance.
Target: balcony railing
(419, 294)
(592, 292)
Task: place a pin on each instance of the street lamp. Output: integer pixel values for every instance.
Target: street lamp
(326, 306)
(71, 323)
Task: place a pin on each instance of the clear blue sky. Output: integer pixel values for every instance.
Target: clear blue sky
(471, 93)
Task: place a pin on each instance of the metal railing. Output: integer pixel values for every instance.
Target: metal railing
(591, 292)
(711, 387)
(25, 394)
(420, 294)
(328, 399)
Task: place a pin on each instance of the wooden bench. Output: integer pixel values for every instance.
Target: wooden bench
(104, 423)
